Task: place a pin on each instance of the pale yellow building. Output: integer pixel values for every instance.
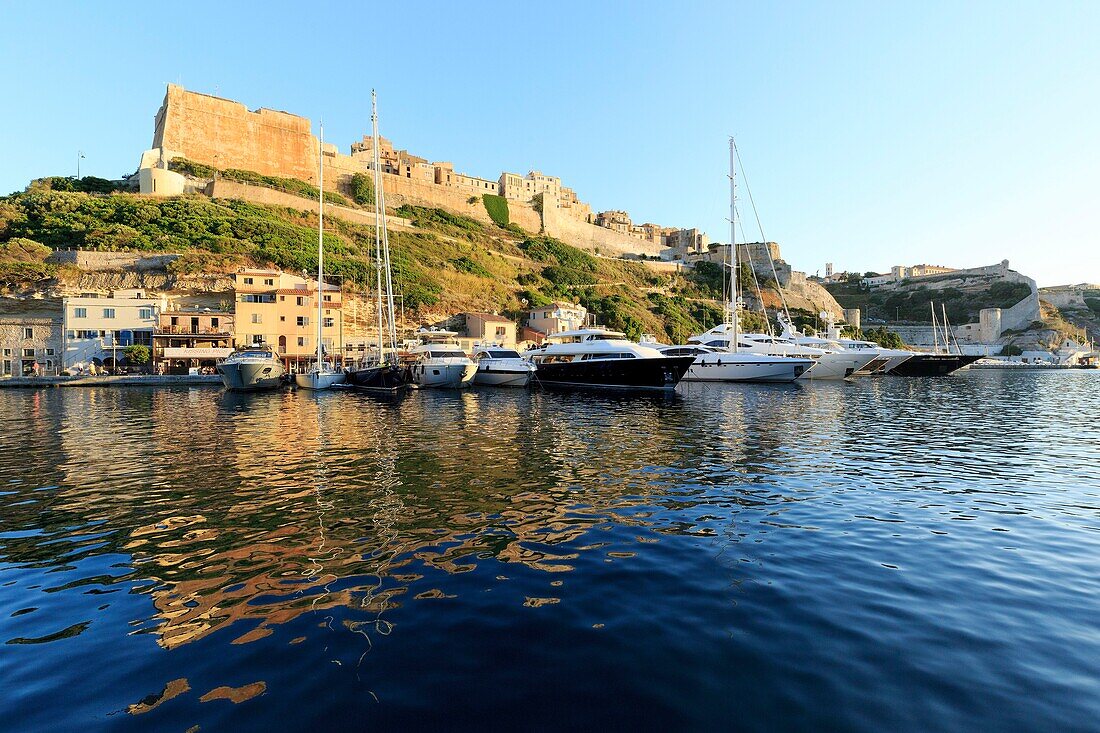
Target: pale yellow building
(97, 328)
(557, 317)
(280, 309)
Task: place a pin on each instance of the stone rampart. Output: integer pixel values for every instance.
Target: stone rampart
(111, 261)
(558, 223)
(222, 188)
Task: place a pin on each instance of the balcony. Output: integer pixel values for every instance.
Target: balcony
(189, 330)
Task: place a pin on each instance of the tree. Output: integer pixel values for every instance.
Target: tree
(137, 354)
(362, 189)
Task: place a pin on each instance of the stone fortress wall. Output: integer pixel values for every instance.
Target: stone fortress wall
(226, 134)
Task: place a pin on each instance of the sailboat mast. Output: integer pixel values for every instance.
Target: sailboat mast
(378, 214)
(935, 329)
(734, 295)
(320, 241)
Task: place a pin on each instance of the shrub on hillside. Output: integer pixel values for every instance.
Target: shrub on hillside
(362, 189)
(548, 249)
(568, 277)
(497, 207)
(466, 264)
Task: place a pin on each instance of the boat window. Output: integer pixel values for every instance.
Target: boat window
(505, 354)
(718, 343)
(446, 354)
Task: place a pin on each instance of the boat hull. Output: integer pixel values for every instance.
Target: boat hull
(442, 376)
(662, 373)
(933, 365)
(252, 376)
(497, 377)
(745, 368)
(837, 365)
(318, 380)
(387, 379)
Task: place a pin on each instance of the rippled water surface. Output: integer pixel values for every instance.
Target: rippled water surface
(888, 554)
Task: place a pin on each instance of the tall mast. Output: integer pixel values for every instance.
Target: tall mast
(320, 242)
(735, 298)
(935, 329)
(378, 213)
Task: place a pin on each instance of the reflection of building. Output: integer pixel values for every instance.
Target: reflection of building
(98, 328)
(280, 309)
(191, 339)
(25, 342)
(557, 317)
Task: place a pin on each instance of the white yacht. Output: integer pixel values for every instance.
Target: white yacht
(439, 361)
(721, 365)
(832, 364)
(501, 367)
(251, 368)
(324, 374)
(596, 358)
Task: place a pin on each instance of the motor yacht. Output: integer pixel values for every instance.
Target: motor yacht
(439, 361)
(826, 364)
(721, 365)
(501, 367)
(252, 367)
(322, 376)
(596, 358)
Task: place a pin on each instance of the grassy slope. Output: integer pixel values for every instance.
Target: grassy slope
(450, 263)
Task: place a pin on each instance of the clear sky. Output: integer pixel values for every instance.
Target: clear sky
(873, 133)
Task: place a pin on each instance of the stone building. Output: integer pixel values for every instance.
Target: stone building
(277, 308)
(29, 341)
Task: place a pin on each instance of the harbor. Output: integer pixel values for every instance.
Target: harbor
(304, 559)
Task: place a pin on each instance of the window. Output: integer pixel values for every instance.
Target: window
(282, 319)
(80, 312)
(257, 298)
(501, 330)
(303, 320)
(282, 298)
(328, 298)
(269, 281)
(248, 281)
(175, 321)
(214, 323)
(299, 301)
(257, 338)
(257, 318)
(145, 313)
(329, 322)
(301, 340)
(49, 352)
(28, 332)
(7, 366)
(28, 353)
(108, 312)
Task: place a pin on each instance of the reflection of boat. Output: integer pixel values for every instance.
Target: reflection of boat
(439, 361)
(500, 367)
(598, 358)
(384, 375)
(324, 374)
(252, 367)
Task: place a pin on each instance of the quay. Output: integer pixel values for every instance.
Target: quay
(143, 380)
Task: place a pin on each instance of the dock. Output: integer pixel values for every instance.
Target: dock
(135, 380)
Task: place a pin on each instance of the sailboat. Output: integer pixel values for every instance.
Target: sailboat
(323, 375)
(936, 363)
(724, 360)
(386, 376)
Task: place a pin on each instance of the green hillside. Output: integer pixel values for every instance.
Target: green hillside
(447, 264)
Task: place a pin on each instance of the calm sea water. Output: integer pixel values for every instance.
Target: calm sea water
(887, 554)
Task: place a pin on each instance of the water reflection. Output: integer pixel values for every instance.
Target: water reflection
(342, 535)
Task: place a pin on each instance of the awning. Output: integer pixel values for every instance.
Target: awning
(197, 352)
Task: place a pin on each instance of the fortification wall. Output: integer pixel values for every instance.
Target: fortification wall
(225, 134)
(111, 261)
(1020, 316)
(558, 223)
(222, 188)
(401, 190)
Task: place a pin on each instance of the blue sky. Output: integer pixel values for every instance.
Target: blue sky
(873, 133)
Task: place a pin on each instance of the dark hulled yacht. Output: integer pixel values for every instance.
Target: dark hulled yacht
(595, 358)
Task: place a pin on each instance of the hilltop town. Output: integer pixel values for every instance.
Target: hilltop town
(214, 232)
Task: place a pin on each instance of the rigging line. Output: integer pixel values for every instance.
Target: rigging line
(760, 226)
(756, 282)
